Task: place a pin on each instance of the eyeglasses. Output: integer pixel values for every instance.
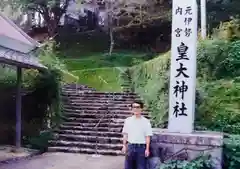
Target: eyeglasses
(136, 107)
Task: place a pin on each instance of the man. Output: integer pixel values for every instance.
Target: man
(136, 131)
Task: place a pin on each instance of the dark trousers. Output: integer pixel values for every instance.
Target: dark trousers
(135, 156)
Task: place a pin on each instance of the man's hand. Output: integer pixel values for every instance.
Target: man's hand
(147, 152)
(124, 149)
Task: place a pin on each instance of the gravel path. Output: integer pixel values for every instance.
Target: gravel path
(67, 161)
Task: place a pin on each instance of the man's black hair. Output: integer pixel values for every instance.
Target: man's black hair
(139, 102)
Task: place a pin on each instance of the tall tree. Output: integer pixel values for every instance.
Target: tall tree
(51, 11)
(123, 14)
(221, 10)
(9, 9)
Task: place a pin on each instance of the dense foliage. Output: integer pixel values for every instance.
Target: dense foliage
(47, 90)
(44, 87)
(218, 85)
(231, 152)
(201, 162)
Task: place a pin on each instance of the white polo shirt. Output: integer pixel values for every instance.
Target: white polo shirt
(137, 129)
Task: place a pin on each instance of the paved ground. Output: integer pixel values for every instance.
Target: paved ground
(67, 161)
(7, 152)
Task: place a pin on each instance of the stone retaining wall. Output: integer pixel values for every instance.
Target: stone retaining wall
(167, 146)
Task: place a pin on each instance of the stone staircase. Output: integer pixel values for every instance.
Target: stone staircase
(93, 121)
(126, 83)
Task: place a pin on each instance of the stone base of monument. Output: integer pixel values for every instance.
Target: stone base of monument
(166, 146)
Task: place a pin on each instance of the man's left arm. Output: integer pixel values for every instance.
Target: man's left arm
(149, 133)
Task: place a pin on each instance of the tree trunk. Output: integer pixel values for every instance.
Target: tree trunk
(96, 13)
(111, 40)
(51, 26)
(51, 23)
(110, 27)
(39, 20)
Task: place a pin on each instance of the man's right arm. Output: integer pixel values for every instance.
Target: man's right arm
(125, 137)
(125, 134)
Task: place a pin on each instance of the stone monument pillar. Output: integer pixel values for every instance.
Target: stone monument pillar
(183, 66)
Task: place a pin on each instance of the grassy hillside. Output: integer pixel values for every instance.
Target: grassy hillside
(101, 71)
(150, 80)
(103, 79)
(218, 87)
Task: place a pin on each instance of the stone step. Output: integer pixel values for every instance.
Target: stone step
(90, 133)
(99, 105)
(97, 115)
(78, 107)
(95, 95)
(96, 98)
(127, 113)
(77, 90)
(90, 139)
(110, 125)
(90, 129)
(127, 87)
(76, 86)
(99, 101)
(102, 93)
(92, 92)
(89, 120)
(84, 151)
(93, 146)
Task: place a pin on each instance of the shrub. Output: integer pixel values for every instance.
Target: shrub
(210, 55)
(230, 66)
(231, 151)
(218, 59)
(219, 106)
(201, 162)
(7, 75)
(40, 142)
(229, 30)
(47, 84)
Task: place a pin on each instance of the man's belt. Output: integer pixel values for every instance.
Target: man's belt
(137, 144)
